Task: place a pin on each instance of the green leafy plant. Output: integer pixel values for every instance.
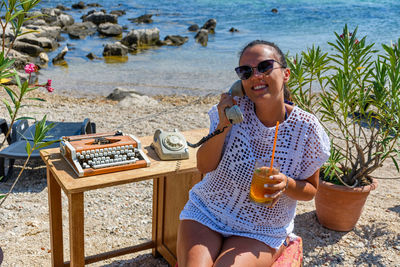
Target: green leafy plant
(354, 91)
(40, 134)
(15, 14)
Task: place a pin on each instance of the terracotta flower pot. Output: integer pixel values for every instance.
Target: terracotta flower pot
(339, 207)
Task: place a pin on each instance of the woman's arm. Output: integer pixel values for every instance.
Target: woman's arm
(303, 189)
(209, 154)
(317, 152)
(296, 189)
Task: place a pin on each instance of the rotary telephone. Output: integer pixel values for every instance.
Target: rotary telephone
(173, 145)
(170, 145)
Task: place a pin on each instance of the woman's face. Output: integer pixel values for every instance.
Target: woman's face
(260, 87)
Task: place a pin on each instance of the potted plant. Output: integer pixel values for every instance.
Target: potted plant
(353, 90)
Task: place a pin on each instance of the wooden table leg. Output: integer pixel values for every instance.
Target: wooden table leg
(76, 237)
(155, 216)
(55, 214)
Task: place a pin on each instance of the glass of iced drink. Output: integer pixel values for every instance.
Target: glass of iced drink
(262, 172)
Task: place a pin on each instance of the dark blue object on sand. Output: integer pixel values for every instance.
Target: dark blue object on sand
(21, 133)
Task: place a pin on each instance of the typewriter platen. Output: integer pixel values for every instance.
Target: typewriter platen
(100, 153)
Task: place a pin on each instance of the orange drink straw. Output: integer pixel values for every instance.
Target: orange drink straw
(273, 149)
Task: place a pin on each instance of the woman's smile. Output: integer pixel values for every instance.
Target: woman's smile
(260, 87)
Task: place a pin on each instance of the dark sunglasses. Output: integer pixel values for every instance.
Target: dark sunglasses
(244, 72)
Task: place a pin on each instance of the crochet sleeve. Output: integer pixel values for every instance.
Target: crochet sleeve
(214, 118)
(316, 150)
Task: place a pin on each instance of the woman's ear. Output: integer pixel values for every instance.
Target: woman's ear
(286, 75)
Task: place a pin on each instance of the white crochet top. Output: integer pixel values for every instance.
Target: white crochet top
(220, 201)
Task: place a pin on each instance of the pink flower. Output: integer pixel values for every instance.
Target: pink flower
(349, 35)
(48, 86)
(29, 68)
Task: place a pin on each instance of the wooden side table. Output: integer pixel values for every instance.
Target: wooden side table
(171, 182)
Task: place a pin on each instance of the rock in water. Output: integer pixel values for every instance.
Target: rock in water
(59, 59)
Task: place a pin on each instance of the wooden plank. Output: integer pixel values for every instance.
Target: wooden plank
(76, 229)
(167, 255)
(160, 213)
(55, 216)
(72, 184)
(155, 220)
(117, 253)
(176, 195)
(172, 199)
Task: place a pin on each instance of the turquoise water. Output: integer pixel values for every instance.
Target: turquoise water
(196, 70)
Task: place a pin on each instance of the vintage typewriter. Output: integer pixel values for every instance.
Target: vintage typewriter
(93, 154)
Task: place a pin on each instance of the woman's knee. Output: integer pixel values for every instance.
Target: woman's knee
(197, 244)
(238, 258)
(241, 251)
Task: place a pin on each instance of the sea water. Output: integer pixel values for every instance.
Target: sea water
(196, 70)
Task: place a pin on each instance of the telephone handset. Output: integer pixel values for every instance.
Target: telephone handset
(233, 113)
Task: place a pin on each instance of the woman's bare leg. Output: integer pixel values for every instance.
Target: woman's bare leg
(197, 245)
(243, 251)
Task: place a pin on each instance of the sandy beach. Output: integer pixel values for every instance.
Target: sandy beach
(121, 216)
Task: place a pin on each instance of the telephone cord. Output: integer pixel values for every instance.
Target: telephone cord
(205, 138)
(218, 131)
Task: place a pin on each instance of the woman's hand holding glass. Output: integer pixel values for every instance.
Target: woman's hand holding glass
(278, 185)
(267, 183)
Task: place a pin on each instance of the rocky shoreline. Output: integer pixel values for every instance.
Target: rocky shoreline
(47, 25)
(121, 216)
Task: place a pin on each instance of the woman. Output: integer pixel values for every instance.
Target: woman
(219, 225)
